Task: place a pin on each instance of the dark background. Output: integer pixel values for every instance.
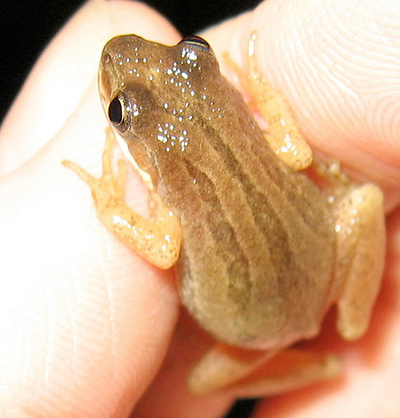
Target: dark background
(27, 26)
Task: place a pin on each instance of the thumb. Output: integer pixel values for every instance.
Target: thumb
(84, 323)
(338, 63)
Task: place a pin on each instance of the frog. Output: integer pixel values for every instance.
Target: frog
(261, 249)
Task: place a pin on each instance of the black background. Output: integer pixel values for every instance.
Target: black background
(27, 26)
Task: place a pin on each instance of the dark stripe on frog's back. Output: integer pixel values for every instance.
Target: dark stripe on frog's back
(241, 203)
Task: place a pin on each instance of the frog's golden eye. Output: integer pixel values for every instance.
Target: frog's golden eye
(115, 111)
(196, 42)
(119, 111)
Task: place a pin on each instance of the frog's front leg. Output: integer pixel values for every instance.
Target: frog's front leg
(360, 228)
(252, 374)
(283, 136)
(159, 239)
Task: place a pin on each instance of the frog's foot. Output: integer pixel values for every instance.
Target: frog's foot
(330, 177)
(360, 228)
(159, 239)
(284, 137)
(257, 374)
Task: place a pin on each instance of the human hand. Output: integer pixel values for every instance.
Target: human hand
(86, 322)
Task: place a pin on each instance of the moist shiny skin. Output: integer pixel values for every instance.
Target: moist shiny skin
(258, 238)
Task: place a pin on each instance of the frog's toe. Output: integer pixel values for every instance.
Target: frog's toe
(258, 374)
(361, 246)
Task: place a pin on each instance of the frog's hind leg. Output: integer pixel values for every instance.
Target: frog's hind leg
(248, 374)
(360, 229)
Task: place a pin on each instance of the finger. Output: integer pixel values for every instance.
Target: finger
(84, 322)
(338, 64)
(339, 125)
(168, 395)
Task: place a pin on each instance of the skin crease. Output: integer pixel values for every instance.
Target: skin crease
(85, 323)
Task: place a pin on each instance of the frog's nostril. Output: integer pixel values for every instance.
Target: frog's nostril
(107, 58)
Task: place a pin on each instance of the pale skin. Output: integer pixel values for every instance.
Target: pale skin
(122, 308)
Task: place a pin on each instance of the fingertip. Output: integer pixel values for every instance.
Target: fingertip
(336, 64)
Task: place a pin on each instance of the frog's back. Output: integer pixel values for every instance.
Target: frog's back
(258, 238)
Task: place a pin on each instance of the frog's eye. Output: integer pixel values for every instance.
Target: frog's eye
(196, 42)
(115, 111)
(119, 111)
